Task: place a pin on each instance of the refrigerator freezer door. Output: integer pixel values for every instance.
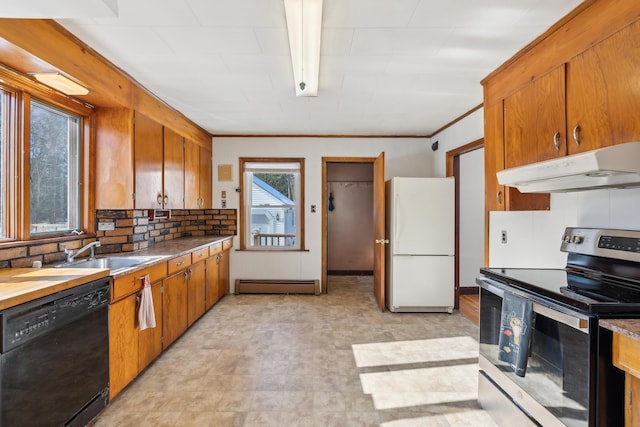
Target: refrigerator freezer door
(422, 283)
(423, 216)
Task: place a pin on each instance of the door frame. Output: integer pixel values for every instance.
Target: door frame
(326, 160)
(453, 169)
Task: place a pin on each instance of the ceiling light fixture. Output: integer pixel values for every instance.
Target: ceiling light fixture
(304, 23)
(61, 83)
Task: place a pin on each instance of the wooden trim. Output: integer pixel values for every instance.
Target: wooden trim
(326, 160)
(220, 135)
(587, 25)
(350, 272)
(57, 48)
(469, 290)
(453, 122)
(24, 189)
(453, 169)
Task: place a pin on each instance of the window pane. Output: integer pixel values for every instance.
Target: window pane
(54, 169)
(273, 205)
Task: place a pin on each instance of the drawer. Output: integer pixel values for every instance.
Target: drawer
(626, 354)
(214, 249)
(178, 264)
(199, 255)
(126, 285)
(227, 244)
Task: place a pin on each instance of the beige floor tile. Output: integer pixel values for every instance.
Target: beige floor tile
(302, 360)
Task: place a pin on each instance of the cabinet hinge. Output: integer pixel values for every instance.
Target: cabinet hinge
(161, 340)
(162, 289)
(630, 396)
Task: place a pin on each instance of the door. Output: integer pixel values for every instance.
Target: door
(378, 231)
(423, 219)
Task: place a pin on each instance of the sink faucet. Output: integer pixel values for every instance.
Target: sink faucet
(71, 256)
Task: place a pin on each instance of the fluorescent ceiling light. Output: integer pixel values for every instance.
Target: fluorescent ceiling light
(61, 83)
(304, 23)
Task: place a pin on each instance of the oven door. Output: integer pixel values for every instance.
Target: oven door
(560, 370)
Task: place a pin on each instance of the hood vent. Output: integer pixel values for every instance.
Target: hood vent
(617, 166)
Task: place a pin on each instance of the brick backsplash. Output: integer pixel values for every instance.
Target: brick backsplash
(133, 230)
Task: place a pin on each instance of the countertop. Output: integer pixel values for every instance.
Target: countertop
(627, 327)
(20, 285)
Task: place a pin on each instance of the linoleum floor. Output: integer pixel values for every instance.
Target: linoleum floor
(304, 360)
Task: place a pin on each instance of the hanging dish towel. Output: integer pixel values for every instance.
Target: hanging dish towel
(146, 314)
(515, 332)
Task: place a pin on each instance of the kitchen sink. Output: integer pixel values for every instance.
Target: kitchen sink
(114, 263)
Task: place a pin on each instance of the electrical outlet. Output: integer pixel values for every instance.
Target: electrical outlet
(503, 237)
(224, 204)
(106, 226)
(313, 208)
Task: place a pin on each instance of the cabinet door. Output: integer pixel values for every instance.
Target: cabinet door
(150, 340)
(223, 287)
(174, 315)
(196, 292)
(603, 95)
(114, 158)
(191, 175)
(123, 344)
(148, 163)
(535, 121)
(212, 281)
(205, 178)
(493, 157)
(173, 195)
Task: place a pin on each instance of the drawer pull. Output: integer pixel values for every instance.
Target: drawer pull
(556, 141)
(576, 134)
(180, 263)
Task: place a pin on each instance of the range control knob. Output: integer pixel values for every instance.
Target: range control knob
(577, 239)
(566, 238)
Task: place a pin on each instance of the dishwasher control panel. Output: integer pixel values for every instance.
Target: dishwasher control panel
(27, 321)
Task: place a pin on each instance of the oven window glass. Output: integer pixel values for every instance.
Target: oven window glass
(558, 368)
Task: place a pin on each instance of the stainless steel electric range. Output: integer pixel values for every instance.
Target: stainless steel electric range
(550, 317)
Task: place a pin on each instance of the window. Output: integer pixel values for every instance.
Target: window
(54, 169)
(273, 199)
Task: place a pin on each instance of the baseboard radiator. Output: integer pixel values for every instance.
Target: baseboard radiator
(253, 286)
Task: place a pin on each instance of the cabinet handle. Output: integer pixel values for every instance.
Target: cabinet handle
(159, 199)
(556, 141)
(166, 200)
(576, 134)
(499, 197)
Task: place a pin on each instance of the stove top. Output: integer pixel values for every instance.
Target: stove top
(602, 273)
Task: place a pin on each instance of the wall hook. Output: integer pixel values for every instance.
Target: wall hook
(331, 207)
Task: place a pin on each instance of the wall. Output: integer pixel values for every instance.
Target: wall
(403, 157)
(534, 236)
(471, 187)
(350, 223)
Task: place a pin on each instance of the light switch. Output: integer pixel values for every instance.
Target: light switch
(224, 194)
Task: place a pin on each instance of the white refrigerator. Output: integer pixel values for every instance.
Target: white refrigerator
(420, 218)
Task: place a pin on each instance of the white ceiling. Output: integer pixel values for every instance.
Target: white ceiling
(388, 67)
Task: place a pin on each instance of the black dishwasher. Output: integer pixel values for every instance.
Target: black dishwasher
(55, 358)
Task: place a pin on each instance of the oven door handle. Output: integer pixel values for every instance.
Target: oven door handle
(580, 324)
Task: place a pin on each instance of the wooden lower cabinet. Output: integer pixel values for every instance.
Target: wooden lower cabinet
(179, 300)
(196, 304)
(123, 344)
(174, 320)
(223, 281)
(212, 281)
(150, 340)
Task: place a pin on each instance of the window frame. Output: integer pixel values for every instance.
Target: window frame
(245, 208)
(16, 199)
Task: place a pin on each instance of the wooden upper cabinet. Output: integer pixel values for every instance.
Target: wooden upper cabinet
(148, 163)
(205, 174)
(534, 120)
(173, 170)
(493, 157)
(114, 158)
(603, 92)
(191, 175)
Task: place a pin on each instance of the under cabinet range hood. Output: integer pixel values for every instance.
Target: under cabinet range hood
(617, 166)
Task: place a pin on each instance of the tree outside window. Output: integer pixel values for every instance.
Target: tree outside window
(54, 169)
